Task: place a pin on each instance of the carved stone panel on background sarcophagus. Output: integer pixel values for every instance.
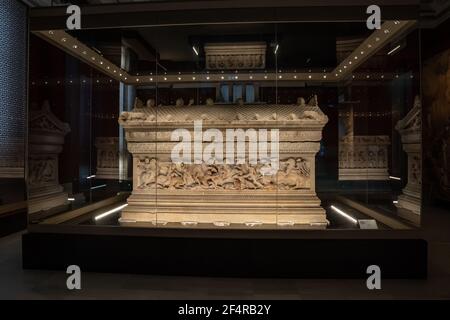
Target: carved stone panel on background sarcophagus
(107, 157)
(363, 157)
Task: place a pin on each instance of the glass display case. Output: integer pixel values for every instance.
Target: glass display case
(243, 126)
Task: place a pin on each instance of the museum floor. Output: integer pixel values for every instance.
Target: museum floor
(25, 284)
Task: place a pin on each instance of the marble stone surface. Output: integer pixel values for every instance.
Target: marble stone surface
(46, 141)
(224, 193)
(410, 129)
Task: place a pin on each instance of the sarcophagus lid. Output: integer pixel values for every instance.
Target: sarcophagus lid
(221, 115)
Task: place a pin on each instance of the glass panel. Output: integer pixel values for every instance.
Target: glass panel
(205, 112)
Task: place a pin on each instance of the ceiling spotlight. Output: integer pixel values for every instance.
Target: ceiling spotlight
(75, 46)
(84, 52)
(382, 76)
(51, 32)
(280, 77)
(356, 57)
(108, 67)
(349, 62)
(222, 77)
(251, 77)
(340, 70)
(137, 79)
(345, 67)
(179, 78)
(362, 52)
(236, 77)
(367, 76)
(369, 46)
(310, 76)
(93, 58)
(63, 39)
(151, 79)
(336, 74)
(265, 77)
(386, 31)
(207, 78)
(193, 78)
(295, 77)
(195, 50)
(165, 79)
(324, 76)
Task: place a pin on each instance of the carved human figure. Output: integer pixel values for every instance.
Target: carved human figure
(147, 174)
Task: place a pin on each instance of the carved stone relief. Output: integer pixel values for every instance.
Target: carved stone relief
(294, 174)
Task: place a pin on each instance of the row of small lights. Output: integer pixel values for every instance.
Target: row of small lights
(361, 53)
(208, 78)
(121, 73)
(70, 82)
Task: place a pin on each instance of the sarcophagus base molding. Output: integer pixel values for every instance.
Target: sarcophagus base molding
(287, 208)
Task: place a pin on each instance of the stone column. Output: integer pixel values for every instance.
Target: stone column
(46, 141)
(410, 129)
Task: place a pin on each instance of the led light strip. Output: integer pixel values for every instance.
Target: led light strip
(107, 213)
(342, 213)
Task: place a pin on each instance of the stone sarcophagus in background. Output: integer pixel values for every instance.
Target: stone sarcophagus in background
(363, 158)
(246, 164)
(410, 129)
(107, 158)
(46, 140)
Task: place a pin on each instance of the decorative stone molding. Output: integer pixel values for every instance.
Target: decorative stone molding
(210, 193)
(46, 140)
(107, 157)
(363, 158)
(225, 56)
(410, 129)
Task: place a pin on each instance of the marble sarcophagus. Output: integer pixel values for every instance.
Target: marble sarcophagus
(224, 164)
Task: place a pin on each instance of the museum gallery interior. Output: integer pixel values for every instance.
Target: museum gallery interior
(192, 129)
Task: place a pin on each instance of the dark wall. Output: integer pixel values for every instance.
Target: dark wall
(13, 57)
